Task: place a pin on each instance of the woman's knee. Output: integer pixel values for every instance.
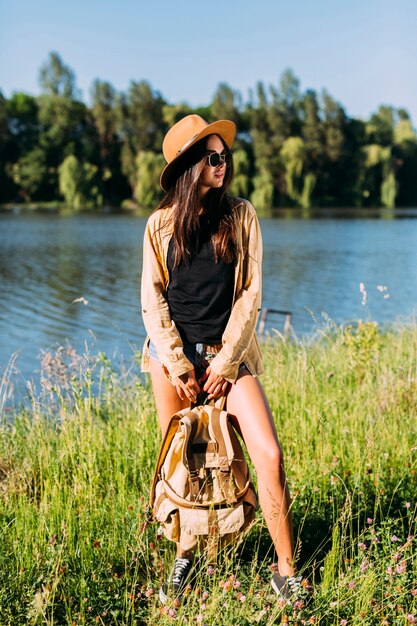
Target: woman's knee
(269, 460)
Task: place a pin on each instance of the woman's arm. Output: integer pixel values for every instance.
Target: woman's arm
(155, 310)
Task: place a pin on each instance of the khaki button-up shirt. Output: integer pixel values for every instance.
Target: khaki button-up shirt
(239, 341)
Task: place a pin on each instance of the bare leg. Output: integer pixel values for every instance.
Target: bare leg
(167, 403)
(167, 400)
(247, 402)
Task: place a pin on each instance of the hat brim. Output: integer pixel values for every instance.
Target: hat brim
(225, 128)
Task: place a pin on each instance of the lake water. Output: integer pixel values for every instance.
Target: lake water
(311, 266)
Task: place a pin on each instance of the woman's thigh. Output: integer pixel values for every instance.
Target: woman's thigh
(247, 402)
(167, 400)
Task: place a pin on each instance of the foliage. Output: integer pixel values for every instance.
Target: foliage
(149, 167)
(77, 184)
(293, 148)
(76, 465)
(29, 172)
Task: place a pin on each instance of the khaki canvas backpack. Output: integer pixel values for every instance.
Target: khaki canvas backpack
(202, 494)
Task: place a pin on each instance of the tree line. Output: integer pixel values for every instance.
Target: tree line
(293, 148)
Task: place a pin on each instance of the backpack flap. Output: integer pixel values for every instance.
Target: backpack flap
(197, 521)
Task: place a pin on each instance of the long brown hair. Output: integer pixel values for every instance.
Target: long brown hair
(183, 196)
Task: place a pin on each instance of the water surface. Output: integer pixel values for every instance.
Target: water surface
(311, 266)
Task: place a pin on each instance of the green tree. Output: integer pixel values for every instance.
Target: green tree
(334, 181)
(66, 124)
(299, 184)
(57, 79)
(241, 164)
(77, 184)
(30, 173)
(267, 174)
(262, 196)
(140, 125)
(149, 165)
(104, 100)
(6, 183)
(405, 150)
(172, 113)
(226, 104)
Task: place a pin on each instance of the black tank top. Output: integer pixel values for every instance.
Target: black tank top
(200, 291)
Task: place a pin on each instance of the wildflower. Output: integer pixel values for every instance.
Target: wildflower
(369, 520)
(401, 567)
(273, 567)
(298, 605)
(312, 619)
(364, 566)
(261, 614)
(241, 596)
(394, 538)
(390, 570)
(236, 584)
(149, 593)
(408, 505)
(210, 570)
(352, 584)
(227, 586)
(204, 595)
(414, 592)
(411, 619)
(343, 622)
(199, 618)
(362, 546)
(333, 480)
(172, 613)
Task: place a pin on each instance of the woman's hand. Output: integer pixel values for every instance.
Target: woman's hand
(215, 385)
(187, 386)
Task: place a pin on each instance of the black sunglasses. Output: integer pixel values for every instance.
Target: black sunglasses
(214, 159)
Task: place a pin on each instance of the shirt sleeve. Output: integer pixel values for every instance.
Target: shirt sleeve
(155, 311)
(241, 326)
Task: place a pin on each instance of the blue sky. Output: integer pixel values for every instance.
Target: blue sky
(363, 52)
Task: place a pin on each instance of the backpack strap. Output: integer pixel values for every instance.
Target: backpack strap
(221, 435)
(194, 481)
(166, 442)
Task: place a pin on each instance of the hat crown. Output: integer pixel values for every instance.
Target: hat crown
(181, 134)
(185, 133)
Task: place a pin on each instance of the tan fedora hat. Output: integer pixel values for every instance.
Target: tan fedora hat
(185, 134)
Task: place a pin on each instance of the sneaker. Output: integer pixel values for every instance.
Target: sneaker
(288, 588)
(176, 584)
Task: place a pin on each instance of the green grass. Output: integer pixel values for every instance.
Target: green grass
(76, 546)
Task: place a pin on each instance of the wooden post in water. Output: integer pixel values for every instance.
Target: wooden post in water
(266, 312)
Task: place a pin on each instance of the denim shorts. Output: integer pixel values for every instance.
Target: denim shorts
(200, 355)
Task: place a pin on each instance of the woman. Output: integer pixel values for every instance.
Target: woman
(201, 293)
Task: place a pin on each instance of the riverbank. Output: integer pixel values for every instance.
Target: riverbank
(59, 207)
(129, 206)
(75, 473)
